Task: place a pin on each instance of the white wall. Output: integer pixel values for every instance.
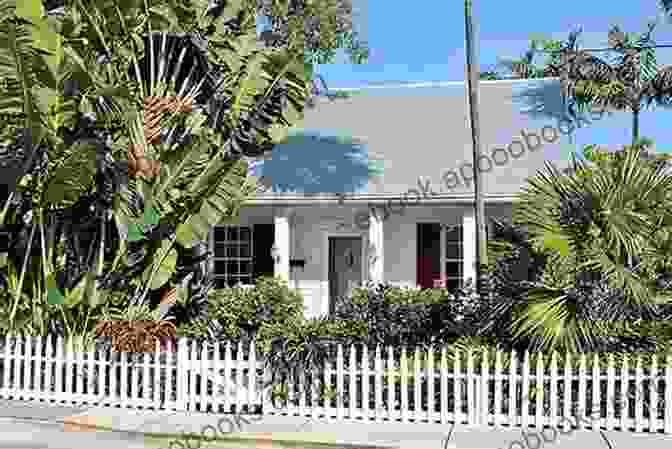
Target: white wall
(309, 226)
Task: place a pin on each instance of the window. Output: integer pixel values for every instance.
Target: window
(233, 258)
(440, 256)
(452, 256)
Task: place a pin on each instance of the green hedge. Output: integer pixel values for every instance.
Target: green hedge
(243, 312)
(384, 314)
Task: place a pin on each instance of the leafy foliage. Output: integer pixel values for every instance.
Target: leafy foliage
(317, 28)
(525, 67)
(631, 81)
(489, 75)
(244, 312)
(600, 233)
(387, 315)
(77, 215)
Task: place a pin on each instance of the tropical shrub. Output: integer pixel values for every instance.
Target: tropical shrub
(249, 312)
(114, 178)
(515, 265)
(601, 231)
(389, 315)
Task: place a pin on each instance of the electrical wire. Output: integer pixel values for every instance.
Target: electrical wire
(607, 49)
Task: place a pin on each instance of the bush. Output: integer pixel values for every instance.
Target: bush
(383, 314)
(297, 344)
(376, 314)
(244, 312)
(517, 265)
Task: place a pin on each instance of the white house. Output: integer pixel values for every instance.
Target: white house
(327, 221)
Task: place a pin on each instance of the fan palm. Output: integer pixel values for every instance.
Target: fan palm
(594, 220)
(632, 81)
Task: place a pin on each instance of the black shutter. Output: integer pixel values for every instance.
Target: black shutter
(428, 254)
(264, 236)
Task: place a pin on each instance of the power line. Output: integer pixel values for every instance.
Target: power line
(608, 49)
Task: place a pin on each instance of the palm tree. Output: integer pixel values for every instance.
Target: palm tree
(591, 222)
(633, 81)
(666, 8)
(489, 75)
(525, 67)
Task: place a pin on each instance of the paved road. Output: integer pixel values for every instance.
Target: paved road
(24, 434)
(32, 434)
(31, 425)
(27, 425)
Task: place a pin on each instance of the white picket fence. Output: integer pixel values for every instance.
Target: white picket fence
(175, 377)
(369, 385)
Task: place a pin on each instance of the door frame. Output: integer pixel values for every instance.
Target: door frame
(325, 263)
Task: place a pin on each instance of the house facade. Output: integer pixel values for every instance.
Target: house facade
(376, 187)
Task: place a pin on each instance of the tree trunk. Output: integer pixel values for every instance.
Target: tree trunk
(635, 126)
(472, 83)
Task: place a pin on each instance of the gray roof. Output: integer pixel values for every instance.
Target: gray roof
(415, 133)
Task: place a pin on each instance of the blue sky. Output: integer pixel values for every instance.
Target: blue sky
(410, 42)
(427, 44)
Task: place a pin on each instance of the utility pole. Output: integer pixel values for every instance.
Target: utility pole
(472, 90)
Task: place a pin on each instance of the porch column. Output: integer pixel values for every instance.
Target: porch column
(375, 246)
(469, 245)
(281, 244)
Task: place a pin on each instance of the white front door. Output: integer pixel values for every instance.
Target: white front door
(345, 267)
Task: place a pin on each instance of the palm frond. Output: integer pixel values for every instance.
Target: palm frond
(659, 88)
(666, 8)
(595, 220)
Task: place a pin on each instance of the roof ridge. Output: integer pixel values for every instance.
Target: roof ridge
(439, 84)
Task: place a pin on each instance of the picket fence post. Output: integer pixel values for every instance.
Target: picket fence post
(6, 389)
(525, 407)
(430, 385)
(667, 415)
(190, 381)
(485, 389)
(470, 385)
(253, 378)
(499, 381)
(513, 383)
(267, 390)
(610, 392)
(181, 373)
(539, 392)
(240, 366)
(444, 385)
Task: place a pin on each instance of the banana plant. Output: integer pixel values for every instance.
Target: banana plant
(51, 165)
(140, 226)
(243, 101)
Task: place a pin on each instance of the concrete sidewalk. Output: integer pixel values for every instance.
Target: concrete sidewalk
(298, 432)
